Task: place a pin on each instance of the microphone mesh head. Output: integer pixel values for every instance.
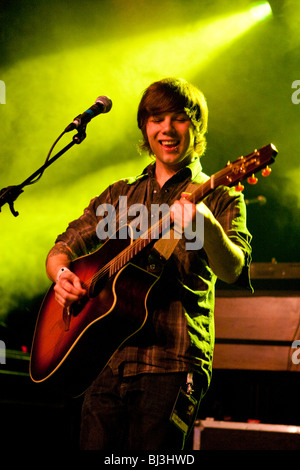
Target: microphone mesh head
(106, 102)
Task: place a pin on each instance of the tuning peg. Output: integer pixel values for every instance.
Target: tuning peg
(239, 187)
(252, 179)
(266, 171)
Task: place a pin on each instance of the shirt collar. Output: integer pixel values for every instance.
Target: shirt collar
(193, 169)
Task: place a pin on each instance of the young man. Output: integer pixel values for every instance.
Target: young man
(130, 403)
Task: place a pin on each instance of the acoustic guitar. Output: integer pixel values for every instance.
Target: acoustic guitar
(72, 345)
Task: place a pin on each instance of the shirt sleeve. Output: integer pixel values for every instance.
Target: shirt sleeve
(229, 208)
(81, 234)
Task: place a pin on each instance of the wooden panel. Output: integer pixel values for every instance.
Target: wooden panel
(251, 357)
(257, 332)
(263, 318)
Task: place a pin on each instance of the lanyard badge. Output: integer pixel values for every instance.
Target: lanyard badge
(184, 409)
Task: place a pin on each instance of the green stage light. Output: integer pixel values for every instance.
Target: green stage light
(261, 11)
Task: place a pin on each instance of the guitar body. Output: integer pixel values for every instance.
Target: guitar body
(72, 351)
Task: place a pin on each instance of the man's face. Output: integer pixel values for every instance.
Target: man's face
(171, 138)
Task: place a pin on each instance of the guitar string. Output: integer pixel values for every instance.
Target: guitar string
(105, 268)
(125, 255)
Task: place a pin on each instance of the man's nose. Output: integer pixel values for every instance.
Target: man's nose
(167, 125)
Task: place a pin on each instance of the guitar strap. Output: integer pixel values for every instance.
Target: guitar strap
(166, 246)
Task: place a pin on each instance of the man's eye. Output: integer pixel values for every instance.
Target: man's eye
(182, 118)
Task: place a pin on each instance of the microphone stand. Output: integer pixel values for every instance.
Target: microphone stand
(11, 193)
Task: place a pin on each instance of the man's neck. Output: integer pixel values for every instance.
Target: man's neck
(164, 172)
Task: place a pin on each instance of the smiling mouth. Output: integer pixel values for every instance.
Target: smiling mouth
(169, 144)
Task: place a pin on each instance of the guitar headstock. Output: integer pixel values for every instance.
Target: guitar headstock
(234, 173)
(247, 167)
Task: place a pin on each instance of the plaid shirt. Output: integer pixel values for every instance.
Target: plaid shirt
(179, 333)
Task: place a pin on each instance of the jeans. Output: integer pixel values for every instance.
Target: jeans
(132, 413)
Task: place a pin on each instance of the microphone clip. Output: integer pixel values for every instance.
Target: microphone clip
(76, 124)
(81, 134)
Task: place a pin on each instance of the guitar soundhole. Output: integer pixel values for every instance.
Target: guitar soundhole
(78, 306)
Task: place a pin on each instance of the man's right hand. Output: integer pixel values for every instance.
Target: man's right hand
(68, 289)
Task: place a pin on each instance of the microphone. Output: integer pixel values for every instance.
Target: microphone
(102, 105)
(261, 200)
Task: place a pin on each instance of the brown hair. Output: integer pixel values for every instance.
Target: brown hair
(172, 95)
